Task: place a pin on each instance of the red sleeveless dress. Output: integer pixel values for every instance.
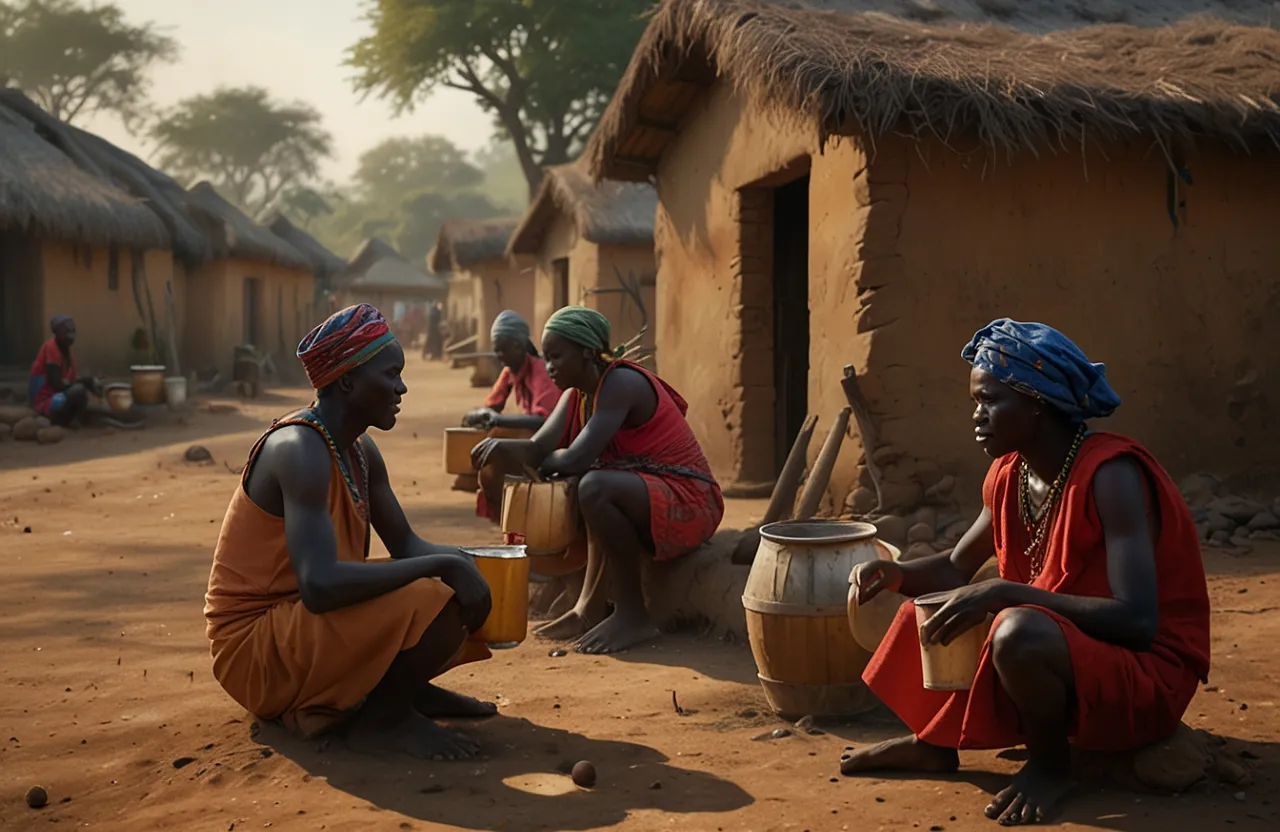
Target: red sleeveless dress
(685, 503)
(1126, 699)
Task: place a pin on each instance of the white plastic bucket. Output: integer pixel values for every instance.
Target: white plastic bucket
(175, 391)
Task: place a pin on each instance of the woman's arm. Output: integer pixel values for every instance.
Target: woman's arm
(619, 395)
(522, 421)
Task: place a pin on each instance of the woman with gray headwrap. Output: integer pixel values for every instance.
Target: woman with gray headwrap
(55, 391)
(524, 375)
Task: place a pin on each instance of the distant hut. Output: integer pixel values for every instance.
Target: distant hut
(847, 188)
(71, 242)
(325, 265)
(379, 275)
(482, 280)
(592, 245)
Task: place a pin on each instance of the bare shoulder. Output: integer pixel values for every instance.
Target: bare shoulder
(1118, 480)
(625, 386)
(295, 456)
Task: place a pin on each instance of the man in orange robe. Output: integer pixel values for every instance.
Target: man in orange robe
(1101, 629)
(302, 628)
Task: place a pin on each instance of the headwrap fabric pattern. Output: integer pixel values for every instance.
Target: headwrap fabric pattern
(582, 326)
(58, 321)
(346, 340)
(1039, 361)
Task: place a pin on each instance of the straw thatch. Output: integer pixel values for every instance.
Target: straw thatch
(463, 243)
(324, 263)
(376, 266)
(233, 234)
(1013, 88)
(607, 213)
(44, 193)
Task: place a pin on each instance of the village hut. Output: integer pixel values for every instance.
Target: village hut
(844, 188)
(256, 290)
(592, 245)
(482, 280)
(325, 265)
(71, 242)
(379, 275)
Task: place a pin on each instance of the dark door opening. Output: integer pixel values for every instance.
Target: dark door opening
(252, 311)
(560, 289)
(790, 314)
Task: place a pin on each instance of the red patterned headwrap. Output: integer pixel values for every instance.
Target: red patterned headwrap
(348, 339)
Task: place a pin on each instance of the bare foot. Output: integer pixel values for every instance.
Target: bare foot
(902, 754)
(438, 703)
(414, 735)
(568, 626)
(618, 632)
(1032, 795)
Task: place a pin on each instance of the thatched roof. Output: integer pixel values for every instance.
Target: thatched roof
(608, 213)
(463, 243)
(379, 267)
(235, 235)
(323, 262)
(43, 192)
(1051, 73)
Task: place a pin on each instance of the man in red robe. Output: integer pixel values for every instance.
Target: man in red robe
(1101, 629)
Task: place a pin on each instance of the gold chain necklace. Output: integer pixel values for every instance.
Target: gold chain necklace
(1038, 527)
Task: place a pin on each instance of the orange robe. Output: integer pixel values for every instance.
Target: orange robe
(279, 660)
(1125, 699)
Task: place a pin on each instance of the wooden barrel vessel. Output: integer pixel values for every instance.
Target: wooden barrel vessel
(546, 513)
(506, 570)
(148, 383)
(797, 620)
(458, 443)
(870, 622)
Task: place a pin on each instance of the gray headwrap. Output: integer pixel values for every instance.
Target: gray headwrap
(510, 325)
(59, 321)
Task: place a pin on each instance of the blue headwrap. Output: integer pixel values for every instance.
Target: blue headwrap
(1041, 362)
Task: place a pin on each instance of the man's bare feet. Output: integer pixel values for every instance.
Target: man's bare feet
(413, 734)
(901, 754)
(1035, 791)
(438, 703)
(568, 626)
(618, 632)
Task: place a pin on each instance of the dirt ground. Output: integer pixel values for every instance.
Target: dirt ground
(109, 703)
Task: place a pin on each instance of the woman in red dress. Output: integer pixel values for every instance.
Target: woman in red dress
(1102, 613)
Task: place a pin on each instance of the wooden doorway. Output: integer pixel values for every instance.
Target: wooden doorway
(22, 328)
(252, 314)
(790, 314)
(560, 286)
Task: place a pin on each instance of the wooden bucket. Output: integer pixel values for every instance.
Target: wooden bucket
(148, 383)
(797, 619)
(458, 444)
(506, 569)
(950, 666)
(870, 622)
(544, 512)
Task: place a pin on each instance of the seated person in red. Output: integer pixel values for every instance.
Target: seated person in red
(524, 375)
(1101, 629)
(54, 389)
(645, 488)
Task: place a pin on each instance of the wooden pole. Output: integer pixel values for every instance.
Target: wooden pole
(783, 500)
(866, 429)
(811, 499)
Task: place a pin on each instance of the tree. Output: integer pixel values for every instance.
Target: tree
(251, 148)
(400, 166)
(543, 68)
(77, 60)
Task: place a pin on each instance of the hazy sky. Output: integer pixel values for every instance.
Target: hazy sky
(295, 49)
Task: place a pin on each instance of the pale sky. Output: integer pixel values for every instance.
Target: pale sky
(295, 49)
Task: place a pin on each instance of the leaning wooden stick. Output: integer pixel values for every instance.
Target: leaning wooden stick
(866, 429)
(783, 500)
(820, 477)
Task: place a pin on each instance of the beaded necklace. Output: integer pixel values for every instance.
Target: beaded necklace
(362, 505)
(1038, 526)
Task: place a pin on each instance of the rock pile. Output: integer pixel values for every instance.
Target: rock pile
(1229, 520)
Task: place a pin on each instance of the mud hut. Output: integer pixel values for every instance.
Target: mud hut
(71, 242)
(255, 290)
(482, 280)
(838, 187)
(325, 265)
(591, 245)
(379, 275)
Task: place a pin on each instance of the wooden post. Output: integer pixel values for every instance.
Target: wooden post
(811, 499)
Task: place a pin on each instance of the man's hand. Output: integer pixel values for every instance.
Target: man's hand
(873, 577)
(484, 417)
(471, 590)
(966, 608)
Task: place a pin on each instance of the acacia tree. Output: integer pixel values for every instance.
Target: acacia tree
(251, 148)
(76, 60)
(543, 68)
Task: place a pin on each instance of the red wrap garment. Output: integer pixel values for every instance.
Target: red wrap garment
(685, 503)
(1126, 699)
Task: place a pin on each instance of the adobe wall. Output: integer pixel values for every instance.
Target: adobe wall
(498, 284)
(76, 283)
(621, 309)
(460, 305)
(714, 250)
(559, 241)
(1183, 317)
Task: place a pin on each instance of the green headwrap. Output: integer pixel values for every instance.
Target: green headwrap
(582, 326)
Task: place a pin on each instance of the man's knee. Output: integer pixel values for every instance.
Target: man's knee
(77, 395)
(1022, 636)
